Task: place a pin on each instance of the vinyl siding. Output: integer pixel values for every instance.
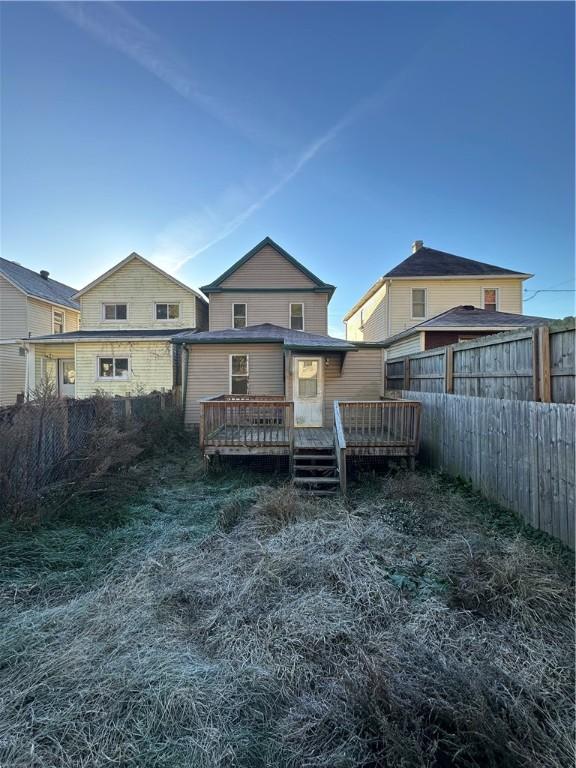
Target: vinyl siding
(12, 373)
(13, 317)
(268, 269)
(140, 287)
(270, 308)
(360, 379)
(201, 315)
(442, 295)
(46, 358)
(409, 346)
(209, 372)
(369, 322)
(150, 364)
(40, 317)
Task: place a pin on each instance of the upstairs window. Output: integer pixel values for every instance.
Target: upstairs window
(113, 368)
(239, 316)
(57, 321)
(297, 317)
(239, 373)
(167, 311)
(491, 299)
(115, 311)
(418, 303)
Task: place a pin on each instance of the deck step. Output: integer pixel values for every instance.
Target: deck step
(313, 467)
(314, 480)
(327, 455)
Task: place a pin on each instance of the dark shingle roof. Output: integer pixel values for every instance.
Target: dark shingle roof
(115, 334)
(428, 262)
(266, 332)
(469, 318)
(33, 284)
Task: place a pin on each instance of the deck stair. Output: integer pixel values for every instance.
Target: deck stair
(314, 471)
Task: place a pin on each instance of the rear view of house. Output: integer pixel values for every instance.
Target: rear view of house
(31, 303)
(128, 316)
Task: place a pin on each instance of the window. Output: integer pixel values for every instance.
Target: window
(115, 311)
(239, 316)
(167, 311)
(307, 378)
(297, 317)
(491, 299)
(238, 374)
(57, 321)
(418, 303)
(113, 368)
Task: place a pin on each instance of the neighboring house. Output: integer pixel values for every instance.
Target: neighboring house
(31, 303)
(128, 316)
(268, 336)
(426, 284)
(268, 285)
(455, 325)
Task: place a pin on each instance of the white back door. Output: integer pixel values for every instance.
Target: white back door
(66, 378)
(308, 391)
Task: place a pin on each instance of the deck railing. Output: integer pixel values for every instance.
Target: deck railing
(340, 446)
(381, 423)
(253, 421)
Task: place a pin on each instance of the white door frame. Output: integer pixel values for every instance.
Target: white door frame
(71, 388)
(308, 411)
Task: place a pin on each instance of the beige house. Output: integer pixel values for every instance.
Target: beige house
(128, 317)
(426, 284)
(31, 303)
(268, 336)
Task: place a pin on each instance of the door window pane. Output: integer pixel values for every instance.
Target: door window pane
(307, 378)
(68, 373)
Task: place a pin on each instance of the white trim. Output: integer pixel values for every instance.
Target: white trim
(105, 304)
(129, 258)
(238, 354)
(520, 275)
(490, 288)
(113, 358)
(412, 315)
(292, 303)
(245, 305)
(68, 340)
(167, 319)
(55, 309)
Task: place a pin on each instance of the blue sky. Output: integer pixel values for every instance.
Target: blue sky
(190, 131)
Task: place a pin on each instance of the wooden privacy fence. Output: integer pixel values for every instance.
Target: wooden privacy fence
(535, 364)
(519, 454)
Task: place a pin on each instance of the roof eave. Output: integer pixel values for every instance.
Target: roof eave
(509, 276)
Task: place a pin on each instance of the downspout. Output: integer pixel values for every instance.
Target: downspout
(185, 356)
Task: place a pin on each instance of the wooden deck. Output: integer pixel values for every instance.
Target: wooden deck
(313, 437)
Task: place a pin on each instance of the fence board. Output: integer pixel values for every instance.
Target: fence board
(517, 453)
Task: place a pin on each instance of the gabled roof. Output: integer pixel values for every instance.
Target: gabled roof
(33, 284)
(320, 284)
(265, 333)
(128, 259)
(428, 262)
(468, 318)
(109, 334)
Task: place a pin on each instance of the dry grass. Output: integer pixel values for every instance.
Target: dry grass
(399, 630)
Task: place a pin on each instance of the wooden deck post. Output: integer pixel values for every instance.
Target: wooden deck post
(545, 384)
(201, 427)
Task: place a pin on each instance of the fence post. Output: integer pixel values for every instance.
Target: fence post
(128, 407)
(544, 364)
(162, 401)
(449, 370)
(535, 366)
(406, 373)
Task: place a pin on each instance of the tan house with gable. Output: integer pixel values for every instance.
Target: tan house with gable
(426, 284)
(31, 303)
(128, 317)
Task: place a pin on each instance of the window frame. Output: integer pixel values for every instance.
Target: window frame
(497, 297)
(166, 319)
(63, 313)
(113, 358)
(292, 303)
(412, 315)
(236, 375)
(114, 304)
(239, 304)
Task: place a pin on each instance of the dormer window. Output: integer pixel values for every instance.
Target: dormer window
(297, 317)
(167, 311)
(57, 321)
(115, 311)
(239, 316)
